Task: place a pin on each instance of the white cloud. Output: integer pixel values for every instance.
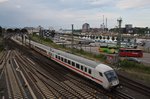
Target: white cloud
(98, 2)
(66, 12)
(18, 6)
(1, 1)
(126, 4)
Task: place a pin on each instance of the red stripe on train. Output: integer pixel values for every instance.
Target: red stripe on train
(69, 66)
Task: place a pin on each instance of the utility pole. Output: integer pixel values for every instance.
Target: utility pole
(119, 33)
(106, 25)
(103, 24)
(72, 39)
(119, 39)
(30, 38)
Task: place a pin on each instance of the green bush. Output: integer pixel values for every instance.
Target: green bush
(37, 38)
(100, 56)
(47, 40)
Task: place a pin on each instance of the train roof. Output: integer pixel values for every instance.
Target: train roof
(76, 58)
(103, 68)
(99, 66)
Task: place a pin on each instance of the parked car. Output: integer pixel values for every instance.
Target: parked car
(136, 60)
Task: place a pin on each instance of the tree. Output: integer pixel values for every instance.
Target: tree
(10, 30)
(24, 31)
(113, 38)
(53, 33)
(103, 37)
(17, 30)
(96, 37)
(100, 37)
(1, 29)
(108, 37)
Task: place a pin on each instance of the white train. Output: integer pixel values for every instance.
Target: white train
(97, 72)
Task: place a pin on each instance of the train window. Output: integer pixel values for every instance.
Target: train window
(100, 74)
(59, 57)
(85, 69)
(73, 63)
(68, 61)
(62, 59)
(89, 71)
(56, 56)
(81, 67)
(65, 60)
(78, 66)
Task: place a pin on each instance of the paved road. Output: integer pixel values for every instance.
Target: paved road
(146, 58)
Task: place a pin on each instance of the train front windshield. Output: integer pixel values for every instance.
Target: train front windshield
(111, 75)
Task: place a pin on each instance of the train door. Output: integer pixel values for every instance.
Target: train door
(49, 54)
(101, 79)
(98, 77)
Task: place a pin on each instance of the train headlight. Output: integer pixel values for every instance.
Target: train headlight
(114, 83)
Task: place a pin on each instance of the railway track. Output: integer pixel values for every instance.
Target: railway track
(135, 85)
(3, 57)
(62, 87)
(67, 81)
(41, 89)
(54, 88)
(3, 63)
(122, 95)
(97, 92)
(13, 84)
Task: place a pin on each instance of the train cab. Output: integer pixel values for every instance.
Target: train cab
(112, 78)
(108, 76)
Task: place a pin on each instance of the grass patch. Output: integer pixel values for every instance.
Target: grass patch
(80, 52)
(135, 67)
(136, 76)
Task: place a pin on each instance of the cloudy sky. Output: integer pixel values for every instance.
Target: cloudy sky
(63, 13)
